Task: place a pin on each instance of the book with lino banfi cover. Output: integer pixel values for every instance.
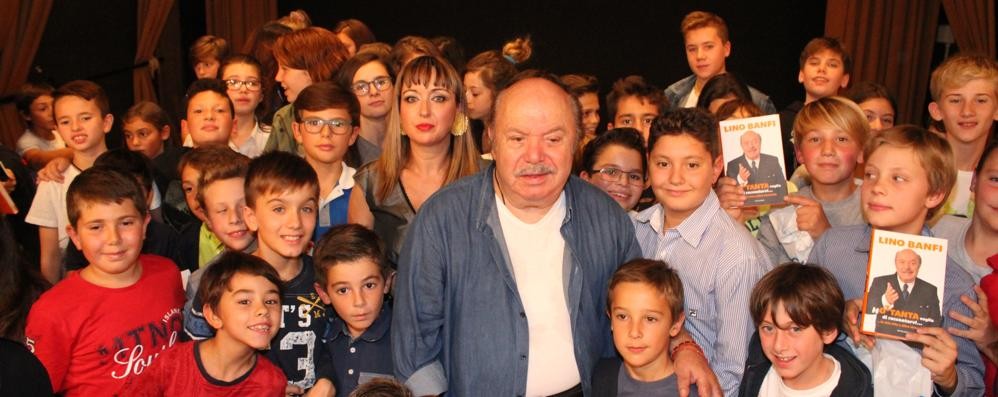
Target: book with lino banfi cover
(753, 155)
(904, 284)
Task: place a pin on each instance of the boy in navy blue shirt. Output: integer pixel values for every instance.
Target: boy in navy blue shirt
(352, 276)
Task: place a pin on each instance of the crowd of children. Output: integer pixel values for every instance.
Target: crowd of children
(252, 250)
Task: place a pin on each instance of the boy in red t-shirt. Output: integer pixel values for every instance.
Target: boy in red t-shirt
(242, 302)
(109, 321)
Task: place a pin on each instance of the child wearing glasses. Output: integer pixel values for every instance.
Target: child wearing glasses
(324, 127)
(615, 162)
(241, 74)
(367, 74)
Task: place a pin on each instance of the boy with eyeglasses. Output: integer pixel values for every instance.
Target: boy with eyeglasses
(615, 162)
(324, 128)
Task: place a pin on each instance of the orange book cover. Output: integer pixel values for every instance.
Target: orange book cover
(905, 278)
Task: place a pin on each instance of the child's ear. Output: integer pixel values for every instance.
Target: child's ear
(108, 122)
(584, 175)
(727, 48)
(935, 112)
(800, 76)
(185, 130)
(296, 130)
(164, 133)
(800, 156)
(845, 80)
(71, 231)
(145, 224)
(609, 126)
(209, 315)
(677, 325)
(249, 217)
(322, 294)
(934, 199)
(718, 168)
(354, 134)
(829, 336)
(389, 281)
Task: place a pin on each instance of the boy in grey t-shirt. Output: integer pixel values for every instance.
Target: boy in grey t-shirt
(645, 305)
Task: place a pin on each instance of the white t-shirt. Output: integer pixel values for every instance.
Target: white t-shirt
(29, 141)
(49, 207)
(692, 98)
(252, 148)
(537, 253)
(773, 385)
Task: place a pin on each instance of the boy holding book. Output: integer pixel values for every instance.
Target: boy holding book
(908, 174)
(716, 258)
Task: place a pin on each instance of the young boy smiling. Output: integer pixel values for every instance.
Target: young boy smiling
(908, 174)
(352, 276)
(828, 138)
(104, 324)
(83, 117)
(241, 296)
(282, 195)
(965, 99)
(717, 259)
(797, 310)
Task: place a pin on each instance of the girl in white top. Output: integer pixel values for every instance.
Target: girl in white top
(241, 74)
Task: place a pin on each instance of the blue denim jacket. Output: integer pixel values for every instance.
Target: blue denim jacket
(678, 91)
(459, 325)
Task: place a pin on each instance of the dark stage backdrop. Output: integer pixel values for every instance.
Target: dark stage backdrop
(609, 39)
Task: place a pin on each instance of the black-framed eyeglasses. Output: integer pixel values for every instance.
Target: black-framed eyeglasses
(336, 126)
(611, 174)
(251, 85)
(362, 87)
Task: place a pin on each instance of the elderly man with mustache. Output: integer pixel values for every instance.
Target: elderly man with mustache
(503, 277)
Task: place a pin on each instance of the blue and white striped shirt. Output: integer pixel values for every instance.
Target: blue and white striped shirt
(719, 262)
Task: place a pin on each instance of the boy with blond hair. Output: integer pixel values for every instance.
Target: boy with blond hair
(829, 134)
(705, 37)
(104, 324)
(965, 100)
(83, 117)
(908, 174)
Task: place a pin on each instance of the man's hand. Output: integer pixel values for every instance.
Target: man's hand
(692, 368)
(981, 330)
(743, 173)
(891, 296)
(852, 313)
(810, 215)
(938, 355)
(52, 171)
